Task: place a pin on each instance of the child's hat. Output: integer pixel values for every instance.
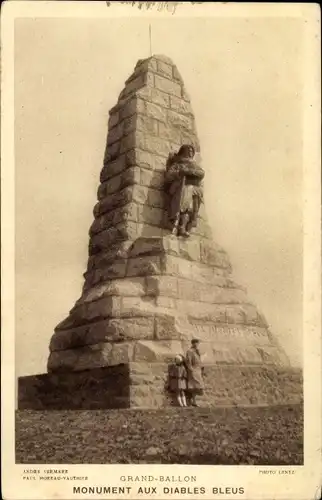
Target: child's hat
(178, 357)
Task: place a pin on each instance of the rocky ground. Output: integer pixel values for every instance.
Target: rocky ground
(256, 435)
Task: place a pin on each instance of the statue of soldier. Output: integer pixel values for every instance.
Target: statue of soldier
(183, 184)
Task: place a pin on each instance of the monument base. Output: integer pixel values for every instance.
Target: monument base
(144, 385)
(170, 290)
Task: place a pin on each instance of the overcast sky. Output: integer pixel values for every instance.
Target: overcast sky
(245, 81)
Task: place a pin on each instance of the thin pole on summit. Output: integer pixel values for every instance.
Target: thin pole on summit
(150, 38)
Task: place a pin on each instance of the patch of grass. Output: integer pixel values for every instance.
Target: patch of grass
(254, 436)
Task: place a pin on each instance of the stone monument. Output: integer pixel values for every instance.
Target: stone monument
(155, 278)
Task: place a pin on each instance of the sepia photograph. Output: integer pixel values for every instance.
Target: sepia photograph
(160, 271)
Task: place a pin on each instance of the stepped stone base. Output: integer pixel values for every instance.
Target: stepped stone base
(167, 297)
(144, 385)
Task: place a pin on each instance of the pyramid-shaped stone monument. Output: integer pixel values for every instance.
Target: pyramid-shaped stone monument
(152, 284)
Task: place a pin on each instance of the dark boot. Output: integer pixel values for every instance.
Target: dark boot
(184, 221)
(176, 225)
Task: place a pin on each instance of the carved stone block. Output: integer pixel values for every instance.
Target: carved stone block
(168, 86)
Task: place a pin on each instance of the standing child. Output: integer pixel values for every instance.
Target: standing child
(178, 380)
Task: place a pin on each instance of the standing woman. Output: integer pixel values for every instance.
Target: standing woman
(194, 371)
